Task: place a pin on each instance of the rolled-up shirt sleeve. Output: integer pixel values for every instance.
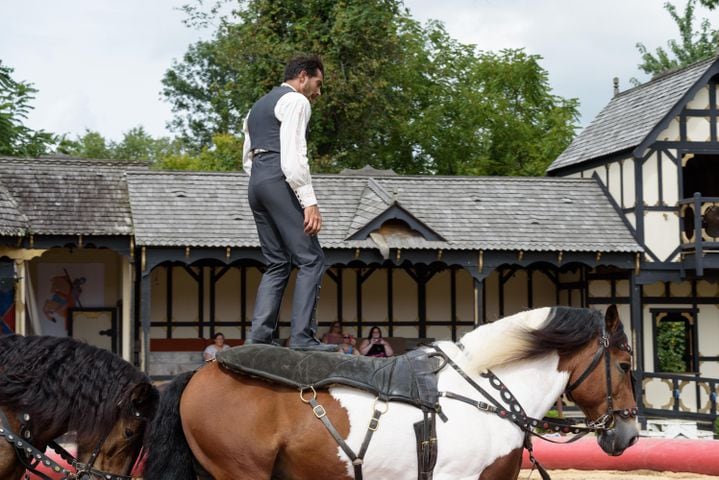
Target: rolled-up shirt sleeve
(293, 110)
(247, 148)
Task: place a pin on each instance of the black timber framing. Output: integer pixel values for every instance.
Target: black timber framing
(478, 264)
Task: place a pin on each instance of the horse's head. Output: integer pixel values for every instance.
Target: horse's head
(118, 451)
(600, 383)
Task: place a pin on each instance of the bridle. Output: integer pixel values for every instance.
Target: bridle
(510, 409)
(606, 421)
(31, 457)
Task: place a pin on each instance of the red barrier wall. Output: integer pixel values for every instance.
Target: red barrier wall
(676, 455)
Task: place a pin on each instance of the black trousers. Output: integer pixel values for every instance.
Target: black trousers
(280, 226)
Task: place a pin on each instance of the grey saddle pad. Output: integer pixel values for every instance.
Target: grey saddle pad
(408, 378)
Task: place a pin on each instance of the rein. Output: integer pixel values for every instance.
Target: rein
(31, 457)
(515, 413)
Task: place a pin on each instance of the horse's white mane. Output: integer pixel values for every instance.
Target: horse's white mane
(502, 341)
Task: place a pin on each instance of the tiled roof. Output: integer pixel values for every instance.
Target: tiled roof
(12, 221)
(493, 213)
(191, 209)
(631, 116)
(67, 196)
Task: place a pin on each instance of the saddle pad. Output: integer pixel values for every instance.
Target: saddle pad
(408, 378)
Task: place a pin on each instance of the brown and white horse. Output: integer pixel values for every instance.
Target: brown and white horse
(236, 427)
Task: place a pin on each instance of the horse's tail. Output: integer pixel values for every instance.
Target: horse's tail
(169, 456)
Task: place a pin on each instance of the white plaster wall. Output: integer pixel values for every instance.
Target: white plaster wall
(545, 293)
(630, 194)
(632, 219)
(491, 303)
(327, 306)
(227, 302)
(671, 133)
(600, 171)
(670, 181)
(515, 293)
(184, 303)
(405, 305)
(650, 181)
(698, 129)
(374, 298)
(439, 297)
(700, 100)
(708, 330)
(465, 298)
(661, 234)
(615, 182)
(158, 312)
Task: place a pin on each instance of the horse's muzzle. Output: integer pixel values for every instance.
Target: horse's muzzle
(623, 435)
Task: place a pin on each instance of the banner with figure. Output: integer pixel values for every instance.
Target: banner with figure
(7, 298)
(60, 287)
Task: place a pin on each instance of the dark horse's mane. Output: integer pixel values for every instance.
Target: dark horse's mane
(568, 329)
(65, 385)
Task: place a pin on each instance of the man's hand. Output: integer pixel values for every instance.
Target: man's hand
(313, 220)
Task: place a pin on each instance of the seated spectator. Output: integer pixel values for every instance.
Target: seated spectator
(376, 346)
(348, 345)
(212, 349)
(334, 335)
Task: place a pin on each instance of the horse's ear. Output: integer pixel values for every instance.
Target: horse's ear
(143, 398)
(611, 319)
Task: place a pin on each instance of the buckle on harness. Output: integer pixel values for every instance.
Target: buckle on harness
(319, 411)
(373, 424)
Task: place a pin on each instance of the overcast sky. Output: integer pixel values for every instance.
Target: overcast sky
(98, 64)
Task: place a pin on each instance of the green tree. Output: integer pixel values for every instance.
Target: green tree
(16, 139)
(694, 44)
(90, 145)
(136, 145)
(224, 155)
(397, 94)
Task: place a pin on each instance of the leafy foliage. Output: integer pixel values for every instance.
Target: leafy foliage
(397, 94)
(671, 347)
(136, 145)
(693, 45)
(16, 139)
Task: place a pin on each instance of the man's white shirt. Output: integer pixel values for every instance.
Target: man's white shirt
(293, 110)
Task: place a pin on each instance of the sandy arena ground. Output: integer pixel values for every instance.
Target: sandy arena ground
(613, 475)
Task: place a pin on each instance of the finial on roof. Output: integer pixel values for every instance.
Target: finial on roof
(615, 80)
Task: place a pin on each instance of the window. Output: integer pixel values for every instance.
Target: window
(674, 340)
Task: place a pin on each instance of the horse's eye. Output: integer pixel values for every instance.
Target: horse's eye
(626, 367)
(129, 433)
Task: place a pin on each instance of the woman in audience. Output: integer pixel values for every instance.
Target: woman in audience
(376, 346)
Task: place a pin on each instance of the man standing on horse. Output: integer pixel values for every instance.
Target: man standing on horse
(283, 203)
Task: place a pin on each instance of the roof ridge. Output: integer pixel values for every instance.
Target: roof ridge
(380, 191)
(666, 75)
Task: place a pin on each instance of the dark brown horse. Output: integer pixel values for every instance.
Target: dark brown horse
(236, 427)
(50, 386)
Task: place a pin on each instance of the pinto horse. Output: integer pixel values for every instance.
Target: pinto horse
(233, 426)
(52, 385)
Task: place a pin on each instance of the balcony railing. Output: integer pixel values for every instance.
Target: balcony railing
(699, 227)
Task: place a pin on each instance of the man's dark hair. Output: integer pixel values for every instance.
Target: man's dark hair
(309, 63)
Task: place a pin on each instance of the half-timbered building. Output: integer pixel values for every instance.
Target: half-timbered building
(654, 150)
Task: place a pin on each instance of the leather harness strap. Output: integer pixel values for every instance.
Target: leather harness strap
(356, 458)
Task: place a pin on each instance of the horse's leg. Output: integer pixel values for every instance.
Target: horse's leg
(10, 467)
(240, 428)
(504, 468)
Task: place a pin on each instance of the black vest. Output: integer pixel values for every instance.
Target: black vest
(262, 124)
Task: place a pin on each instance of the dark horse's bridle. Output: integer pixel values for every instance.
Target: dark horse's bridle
(31, 457)
(512, 410)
